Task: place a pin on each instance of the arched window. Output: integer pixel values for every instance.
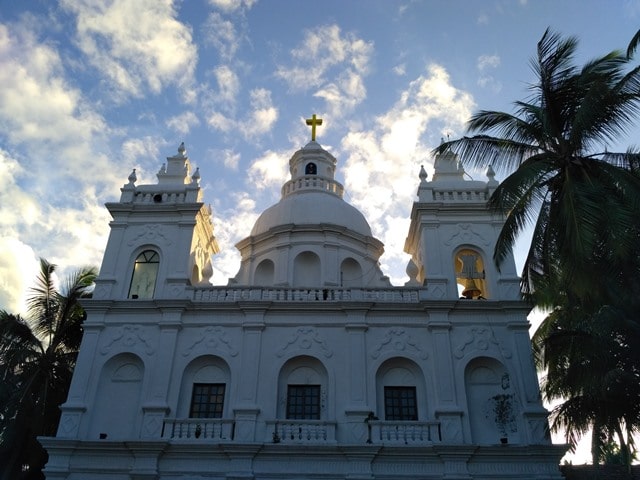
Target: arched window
(470, 276)
(302, 389)
(204, 388)
(306, 270)
(145, 272)
(264, 273)
(310, 169)
(350, 273)
(400, 391)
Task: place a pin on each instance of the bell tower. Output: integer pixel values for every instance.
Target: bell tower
(161, 237)
(452, 237)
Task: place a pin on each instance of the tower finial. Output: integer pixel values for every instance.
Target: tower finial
(313, 121)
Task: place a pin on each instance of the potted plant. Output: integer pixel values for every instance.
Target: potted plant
(504, 414)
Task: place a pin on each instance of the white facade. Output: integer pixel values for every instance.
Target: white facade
(308, 364)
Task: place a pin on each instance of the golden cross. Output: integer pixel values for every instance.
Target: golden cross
(313, 121)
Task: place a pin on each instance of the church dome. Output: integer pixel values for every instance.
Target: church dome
(312, 208)
(312, 196)
(330, 243)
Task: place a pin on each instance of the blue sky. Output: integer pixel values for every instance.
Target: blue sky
(90, 89)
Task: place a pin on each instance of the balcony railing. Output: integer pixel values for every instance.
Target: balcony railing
(301, 431)
(312, 182)
(405, 433)
(237, 294)
(209, 429)
(460, 196)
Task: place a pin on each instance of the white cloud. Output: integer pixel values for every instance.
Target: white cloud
(51, 192)
(488, 61)
(228, 85)
(488, 81)
(222, 35)
(219, 121)
(400, 70)
(231, 159)
(382, 164)
(225, 157)
(182, 123)
(230, 6)
(269, 171)
(18, 267)
(136, 51)
(259, 120)
(331, 63)
(263, 114)
(483, 19)
(231, 226)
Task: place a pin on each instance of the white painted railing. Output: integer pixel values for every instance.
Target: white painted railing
(405, 433)
(301, 431)
(313, 182)
(460, 195)
(237, 294)
(210, 429)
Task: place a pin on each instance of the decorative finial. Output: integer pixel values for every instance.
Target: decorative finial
(163, 168)
(491, 176)
(313, 121)
(195, 178)
(423, 174)
(182, 149)
(132, 177)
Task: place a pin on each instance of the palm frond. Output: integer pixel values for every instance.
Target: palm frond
(633, 44)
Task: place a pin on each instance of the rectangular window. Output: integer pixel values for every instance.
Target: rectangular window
(303, 402)
(400, 403)
(207, 400)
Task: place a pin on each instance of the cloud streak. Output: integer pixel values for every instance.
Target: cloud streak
(135, 53)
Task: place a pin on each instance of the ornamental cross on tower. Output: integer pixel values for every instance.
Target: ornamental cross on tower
(313, 121)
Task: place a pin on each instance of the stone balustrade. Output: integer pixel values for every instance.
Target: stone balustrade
(209, 429)
(312, 182)
(238, 294)
(404, 433)
(460, 195)
(301, 431)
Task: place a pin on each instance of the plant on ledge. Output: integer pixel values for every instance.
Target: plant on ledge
(504, 414)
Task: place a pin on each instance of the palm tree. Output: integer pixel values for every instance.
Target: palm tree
(633, 44)
(579, 198)
(591, 363)
(37, 356)
(584, 205)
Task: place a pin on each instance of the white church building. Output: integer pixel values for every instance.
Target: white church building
(309, 364)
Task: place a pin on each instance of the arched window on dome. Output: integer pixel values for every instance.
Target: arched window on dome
(350, 273)
(264, 273)
(311, 169)
(306, 270)
(470, 274)
(145, 272)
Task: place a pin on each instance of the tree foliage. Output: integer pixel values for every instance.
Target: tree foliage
(37, 357)
(583, 204)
